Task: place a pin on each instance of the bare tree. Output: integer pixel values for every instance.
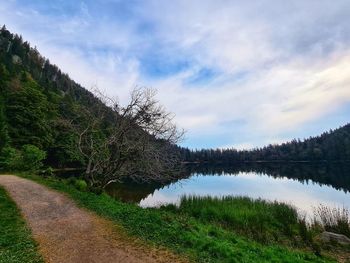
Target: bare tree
(136, 141)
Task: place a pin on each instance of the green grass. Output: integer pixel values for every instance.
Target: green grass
(200, 240)
(263, 221)
(16, 243)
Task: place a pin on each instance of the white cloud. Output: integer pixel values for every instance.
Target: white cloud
(294, 57)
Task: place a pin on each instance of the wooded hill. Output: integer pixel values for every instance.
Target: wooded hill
(329, 146)
(37, 101)
(47, 117)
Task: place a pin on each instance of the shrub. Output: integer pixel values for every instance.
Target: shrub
(80, 185)
(10, 159)
(32, 158)
(29, 159)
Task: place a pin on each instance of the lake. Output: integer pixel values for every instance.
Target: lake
(304, 186)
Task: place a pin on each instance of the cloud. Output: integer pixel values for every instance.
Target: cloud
(279, 66)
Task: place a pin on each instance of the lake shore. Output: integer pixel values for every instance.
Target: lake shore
(197, 237)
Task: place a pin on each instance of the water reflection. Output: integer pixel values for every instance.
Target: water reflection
(302, 185)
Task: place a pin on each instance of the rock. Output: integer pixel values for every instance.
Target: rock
(330, 236)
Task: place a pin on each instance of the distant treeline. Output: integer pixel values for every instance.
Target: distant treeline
(329, 146)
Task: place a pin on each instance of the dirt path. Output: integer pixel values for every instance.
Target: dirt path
(69, 234)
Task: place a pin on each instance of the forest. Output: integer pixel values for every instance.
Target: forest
(329, 146)
(36, 99)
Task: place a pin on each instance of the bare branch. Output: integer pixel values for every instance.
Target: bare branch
(133, 141)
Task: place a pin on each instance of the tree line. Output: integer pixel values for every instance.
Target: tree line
(329, 146)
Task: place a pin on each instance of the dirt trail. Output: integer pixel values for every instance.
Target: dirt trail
(69, 234)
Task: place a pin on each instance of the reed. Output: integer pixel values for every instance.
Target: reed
(333, 219)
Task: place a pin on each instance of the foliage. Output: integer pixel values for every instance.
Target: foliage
(10, 158)
(4, 137)
(28, 159)
(38, 103)
(16, 243)
(28, 114)
(81, 185)
(32, 157)
(201, 241)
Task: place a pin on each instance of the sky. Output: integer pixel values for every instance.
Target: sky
(236, 73)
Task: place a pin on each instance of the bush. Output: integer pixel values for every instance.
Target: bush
(10, 159)
(29, 159)
(80, 185)
(32, 158)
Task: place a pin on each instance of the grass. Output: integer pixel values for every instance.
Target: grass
(265, 222)
(16, 243)
(333, 219)
(201, 240)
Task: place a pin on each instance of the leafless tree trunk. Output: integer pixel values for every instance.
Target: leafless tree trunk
(136, 141)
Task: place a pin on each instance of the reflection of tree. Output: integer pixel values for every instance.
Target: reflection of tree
(131, 192)
(335, 175)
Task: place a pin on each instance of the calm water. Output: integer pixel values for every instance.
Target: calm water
(303, 186)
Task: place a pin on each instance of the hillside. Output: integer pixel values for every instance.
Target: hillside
(38, 102)
(47, 117)
(329, 146)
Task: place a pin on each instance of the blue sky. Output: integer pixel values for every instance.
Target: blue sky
(236, 73)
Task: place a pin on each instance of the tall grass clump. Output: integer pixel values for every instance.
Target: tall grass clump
(333, 219)
(260, 220)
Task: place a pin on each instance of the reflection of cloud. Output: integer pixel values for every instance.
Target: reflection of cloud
(302, 196)
(279, 66)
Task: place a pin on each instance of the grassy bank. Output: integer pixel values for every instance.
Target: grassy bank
(186, 234)
(16, 244)
(269, 223)
(265, 222)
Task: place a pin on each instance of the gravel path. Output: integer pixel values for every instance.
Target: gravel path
(69, 234)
